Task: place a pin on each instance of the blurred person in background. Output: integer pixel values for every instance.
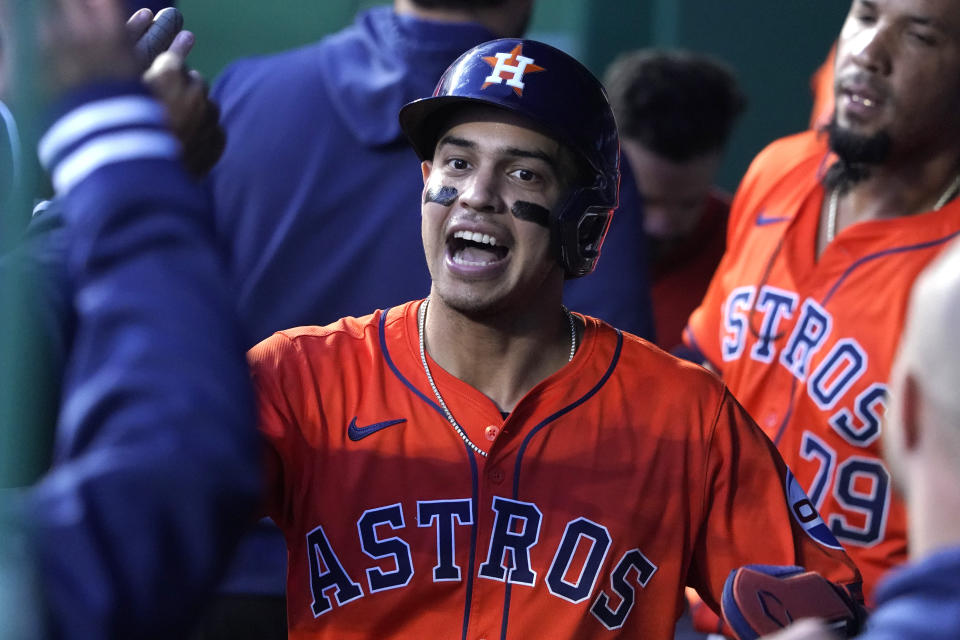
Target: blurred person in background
(676, 110)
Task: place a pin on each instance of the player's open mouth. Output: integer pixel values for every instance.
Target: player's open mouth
(474, 249)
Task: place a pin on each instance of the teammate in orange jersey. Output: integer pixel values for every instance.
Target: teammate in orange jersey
(826, 235)
(485, 463)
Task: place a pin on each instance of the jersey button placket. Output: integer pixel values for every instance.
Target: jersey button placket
(495, 473)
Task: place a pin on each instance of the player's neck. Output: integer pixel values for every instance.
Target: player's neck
(893, 191)
(504, 356)
(905, 190)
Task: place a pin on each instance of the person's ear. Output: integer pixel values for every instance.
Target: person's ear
(425, 167)
(910, 407)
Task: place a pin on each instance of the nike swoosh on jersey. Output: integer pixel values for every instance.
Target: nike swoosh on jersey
(358, 433)
(763, 220)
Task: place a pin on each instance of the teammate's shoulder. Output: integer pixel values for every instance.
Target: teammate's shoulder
(273, 70)
(791, 152)
(802, 143)
(783, 171)
(278, 60)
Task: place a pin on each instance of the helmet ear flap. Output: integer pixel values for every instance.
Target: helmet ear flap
(591, 231)
(577, 232)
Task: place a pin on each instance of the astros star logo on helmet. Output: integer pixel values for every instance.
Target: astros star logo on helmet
(513, 65)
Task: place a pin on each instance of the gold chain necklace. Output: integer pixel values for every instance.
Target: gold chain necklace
(833, 205)
(421, 323)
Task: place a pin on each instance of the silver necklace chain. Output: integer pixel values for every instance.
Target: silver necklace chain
(421, 323)
(832, 214)
(834, 203)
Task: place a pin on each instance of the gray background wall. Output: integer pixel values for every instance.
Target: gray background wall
(774, 46)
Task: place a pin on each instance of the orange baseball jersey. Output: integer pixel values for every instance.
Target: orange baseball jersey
(612, 484)
(806, 345)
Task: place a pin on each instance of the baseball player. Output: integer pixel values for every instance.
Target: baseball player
(485, 463)
(826, 235)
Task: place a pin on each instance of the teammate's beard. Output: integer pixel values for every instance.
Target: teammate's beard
(857, 155)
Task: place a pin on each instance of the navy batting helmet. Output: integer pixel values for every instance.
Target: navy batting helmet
(560, 95)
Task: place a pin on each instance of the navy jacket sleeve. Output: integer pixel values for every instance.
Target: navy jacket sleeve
(156, 466)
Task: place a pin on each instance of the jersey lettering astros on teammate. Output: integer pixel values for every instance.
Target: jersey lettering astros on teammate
(860, 484)
(806, 343)
(615, 482)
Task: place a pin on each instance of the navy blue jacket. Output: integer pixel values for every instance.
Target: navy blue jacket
(155, 469)
(920, 600)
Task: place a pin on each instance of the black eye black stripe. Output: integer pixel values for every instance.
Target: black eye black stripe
(531, 213)
(442, 195)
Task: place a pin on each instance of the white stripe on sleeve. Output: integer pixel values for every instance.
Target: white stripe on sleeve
(120, 111)
(109, 149)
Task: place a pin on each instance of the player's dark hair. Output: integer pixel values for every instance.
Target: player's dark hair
(677, 104)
